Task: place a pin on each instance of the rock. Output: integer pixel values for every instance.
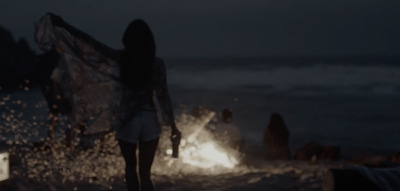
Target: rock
(347, 179)
(276, 139)
(369, 160)
(330, 153)
(308, 151)
(17, 60)
(395, 158)
(314, 151)
(374, 160)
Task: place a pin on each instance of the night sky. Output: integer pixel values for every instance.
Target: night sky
(228, 28)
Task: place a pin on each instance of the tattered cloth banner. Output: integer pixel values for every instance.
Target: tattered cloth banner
(87, 72)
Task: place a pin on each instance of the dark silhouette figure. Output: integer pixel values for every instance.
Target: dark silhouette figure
(227, 132)
(276, 138)
(144, 76)
(199, 111)
(226, 115)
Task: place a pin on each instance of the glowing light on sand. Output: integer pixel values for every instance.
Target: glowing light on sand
(207, 155)
(199, 148)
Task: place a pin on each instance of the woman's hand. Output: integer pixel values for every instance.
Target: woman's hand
(175, 132)
(176, 136)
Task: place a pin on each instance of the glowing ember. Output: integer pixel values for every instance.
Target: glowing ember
(207, 156)
(199, 150)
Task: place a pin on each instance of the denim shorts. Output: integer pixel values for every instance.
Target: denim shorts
(142, 126)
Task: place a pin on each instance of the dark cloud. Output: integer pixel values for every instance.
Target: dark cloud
(228, 28)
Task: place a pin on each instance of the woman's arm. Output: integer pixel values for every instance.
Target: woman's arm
(166, 107)
(163, 97)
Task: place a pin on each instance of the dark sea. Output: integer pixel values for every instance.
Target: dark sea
(351, 103)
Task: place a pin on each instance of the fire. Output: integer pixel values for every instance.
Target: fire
(207, 156)
(199, 148)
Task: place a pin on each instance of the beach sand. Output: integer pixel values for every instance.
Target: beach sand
(252, 173)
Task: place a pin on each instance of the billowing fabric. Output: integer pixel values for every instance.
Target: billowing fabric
(88, 75)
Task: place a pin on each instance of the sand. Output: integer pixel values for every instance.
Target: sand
(253, 173)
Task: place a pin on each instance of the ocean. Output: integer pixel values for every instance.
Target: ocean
(351, 103)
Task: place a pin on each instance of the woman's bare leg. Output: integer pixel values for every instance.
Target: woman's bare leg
(147, 150)
(128, 151)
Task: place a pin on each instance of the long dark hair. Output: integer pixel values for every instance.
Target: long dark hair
(276, 133)
(137, 59)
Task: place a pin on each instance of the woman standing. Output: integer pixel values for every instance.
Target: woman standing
(144, 77)
(276, 138)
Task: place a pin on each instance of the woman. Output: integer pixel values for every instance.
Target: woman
(143, 76)
(89, 88)
(276, 138)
